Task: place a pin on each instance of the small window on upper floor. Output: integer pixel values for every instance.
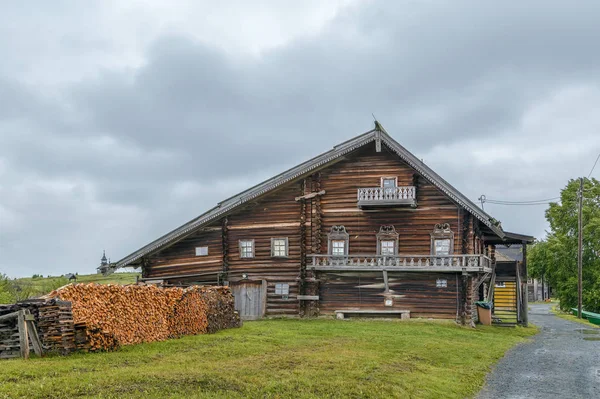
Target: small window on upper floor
(201, 251)
(279, 247)
(338, 241)
(338, 247)
(442, 240)
(387, 247)
(389, 182)
(246, 248)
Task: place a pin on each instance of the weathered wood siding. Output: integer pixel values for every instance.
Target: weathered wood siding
(416, 292)
(365, 169)
(181, 259)
(277, 214)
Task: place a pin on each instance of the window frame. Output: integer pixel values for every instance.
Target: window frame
(383, 178)
(338, 233)
(199, 249)
(241, 251)
(286, 247)
(441, 283)
(388, 233)
(442, 231)
(284, 289)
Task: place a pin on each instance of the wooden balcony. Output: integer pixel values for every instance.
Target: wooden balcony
(374, 197)
(410, 263)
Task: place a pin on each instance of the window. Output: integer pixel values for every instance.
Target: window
(201, 251)
(282, 289)
(338, 247)
(338, 241)
(442, 240)
(442, 246)
(500, 284)
(387, 241)
(387, 247)
(246, 248)
(441, 283)
(279, 247)
(389, 182)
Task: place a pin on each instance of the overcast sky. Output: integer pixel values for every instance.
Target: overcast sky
(121, 120)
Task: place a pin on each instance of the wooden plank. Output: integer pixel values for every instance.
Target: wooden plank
(35, 338)
(307, 297)
(9, 316)
(23, 336)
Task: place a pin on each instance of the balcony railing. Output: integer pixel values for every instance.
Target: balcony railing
(380, 196)
(403, 262)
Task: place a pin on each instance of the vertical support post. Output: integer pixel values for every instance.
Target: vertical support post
(32, 332)
(302, 287)
(524, 310)
(580, 250)
(385, 281)
(463, 299)
(225, 245)
(23, 336)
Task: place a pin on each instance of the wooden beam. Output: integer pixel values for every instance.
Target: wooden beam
(23, 336)
(309, 196)
(9, 316)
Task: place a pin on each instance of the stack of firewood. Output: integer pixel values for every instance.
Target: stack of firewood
(55, 324)
(9, 335)
(106, 316)
(221, 313)
(189, 314)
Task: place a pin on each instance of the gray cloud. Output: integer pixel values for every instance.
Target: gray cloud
(116, 157)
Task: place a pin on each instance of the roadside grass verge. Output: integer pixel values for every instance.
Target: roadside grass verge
(568, 316)
(279, 358)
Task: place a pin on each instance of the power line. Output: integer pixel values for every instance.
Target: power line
(545, 200)
(535, 203)
(593, 167)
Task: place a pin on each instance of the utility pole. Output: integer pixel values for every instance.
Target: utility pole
(580, 250)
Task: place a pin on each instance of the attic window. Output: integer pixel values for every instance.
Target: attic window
(201, 251)
(389, 182)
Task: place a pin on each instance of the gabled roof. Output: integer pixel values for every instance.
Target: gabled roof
(230, 204)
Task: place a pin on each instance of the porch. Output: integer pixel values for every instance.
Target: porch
(411, 263)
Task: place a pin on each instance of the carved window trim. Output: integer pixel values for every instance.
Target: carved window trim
(387, 233)
(442, 231)
(337, 233)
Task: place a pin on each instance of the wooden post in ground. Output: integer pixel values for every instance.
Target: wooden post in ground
(525, 307)
(23, 336)
(33, 334)
(580, 250)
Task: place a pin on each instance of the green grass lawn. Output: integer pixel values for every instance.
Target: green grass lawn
(282, 358)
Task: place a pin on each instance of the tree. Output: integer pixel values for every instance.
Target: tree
(6, 295)
(555, 258)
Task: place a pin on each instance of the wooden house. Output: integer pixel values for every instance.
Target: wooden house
(365, 228)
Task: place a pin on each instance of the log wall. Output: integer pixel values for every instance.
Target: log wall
(306, 224)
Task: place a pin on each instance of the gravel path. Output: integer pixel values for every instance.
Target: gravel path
(562, 361)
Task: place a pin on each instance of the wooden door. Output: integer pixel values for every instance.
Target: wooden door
(250, 299)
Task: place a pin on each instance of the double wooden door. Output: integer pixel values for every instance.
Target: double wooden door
(250, 299)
